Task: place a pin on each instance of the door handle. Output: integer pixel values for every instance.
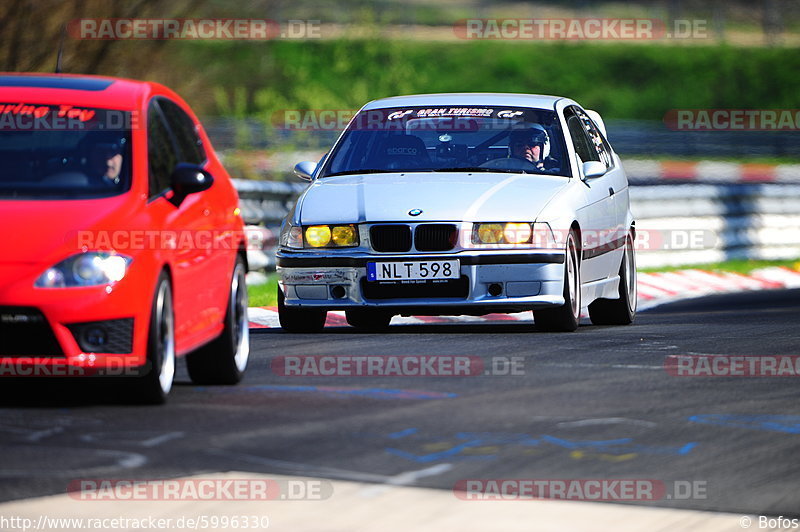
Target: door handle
(610, 191)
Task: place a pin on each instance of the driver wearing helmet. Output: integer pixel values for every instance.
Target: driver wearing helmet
(103, 157)
(533, 145)
(105, 161)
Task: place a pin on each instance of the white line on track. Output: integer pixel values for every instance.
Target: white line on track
(121, 460)
(601, 366)
(158, 440)
(401, 479)
(605, 421)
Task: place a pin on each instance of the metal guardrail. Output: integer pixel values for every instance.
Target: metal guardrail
(266, 202)
(650, 172)
(677, 224)
(694, 224)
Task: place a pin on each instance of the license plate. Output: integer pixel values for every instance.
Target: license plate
(400, 271)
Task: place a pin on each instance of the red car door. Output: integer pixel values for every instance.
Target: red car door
(187, 231)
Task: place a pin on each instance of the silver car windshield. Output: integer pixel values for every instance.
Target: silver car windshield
(451, 139)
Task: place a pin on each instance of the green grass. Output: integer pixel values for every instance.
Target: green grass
(264, 295)
(742, 266)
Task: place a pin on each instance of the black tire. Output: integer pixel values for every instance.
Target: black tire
(368, 319)
(224, 360)
(620, 311)
(155, 382)
(297, 320)
(565, 318)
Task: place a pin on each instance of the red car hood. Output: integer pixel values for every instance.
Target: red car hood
(48, 231)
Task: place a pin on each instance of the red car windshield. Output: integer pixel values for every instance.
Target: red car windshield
(63, 152)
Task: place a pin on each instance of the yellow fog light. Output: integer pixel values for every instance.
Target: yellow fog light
(345, 235)
(517, 233)
(318, 235)
(490, 233)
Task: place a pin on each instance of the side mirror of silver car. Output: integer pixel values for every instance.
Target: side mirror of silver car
(305, 170)
(592, 169)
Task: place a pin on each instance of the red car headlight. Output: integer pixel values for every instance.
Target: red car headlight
(85, 269)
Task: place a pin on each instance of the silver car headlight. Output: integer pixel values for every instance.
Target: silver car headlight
(331, 236)
(85, 269)
(516, 234)
(320, 236)
(292, 237)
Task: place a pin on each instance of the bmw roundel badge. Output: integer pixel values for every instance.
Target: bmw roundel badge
(415, 212)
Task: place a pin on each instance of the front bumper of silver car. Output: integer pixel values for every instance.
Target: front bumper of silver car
(489, 282)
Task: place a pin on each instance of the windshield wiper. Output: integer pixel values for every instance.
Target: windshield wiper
(475, 169)
(364, 171)
(411, 170)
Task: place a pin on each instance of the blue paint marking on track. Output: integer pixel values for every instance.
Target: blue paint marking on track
(499, 438)
(402, 433)
(336, 391)
(466, 440)
(441, 455)
(598, 444)
(621, 445)
(687, 448)
(777, 423)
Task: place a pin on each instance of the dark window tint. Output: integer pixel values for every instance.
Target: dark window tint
(579, 139)
(183, 128)
(595, 138)
(161, 154)
(56, 82)
(44, 156)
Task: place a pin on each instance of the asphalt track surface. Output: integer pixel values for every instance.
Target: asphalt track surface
(596, 404)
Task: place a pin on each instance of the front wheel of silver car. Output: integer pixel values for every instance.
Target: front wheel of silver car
(299, 320)
(620, 311)
(566, 317)
(224, 360)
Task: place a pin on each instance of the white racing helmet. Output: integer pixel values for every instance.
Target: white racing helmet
(532, 135)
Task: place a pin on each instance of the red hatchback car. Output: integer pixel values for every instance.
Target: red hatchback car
(122, 245)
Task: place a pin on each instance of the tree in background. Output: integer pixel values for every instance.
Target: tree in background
(30, 32)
